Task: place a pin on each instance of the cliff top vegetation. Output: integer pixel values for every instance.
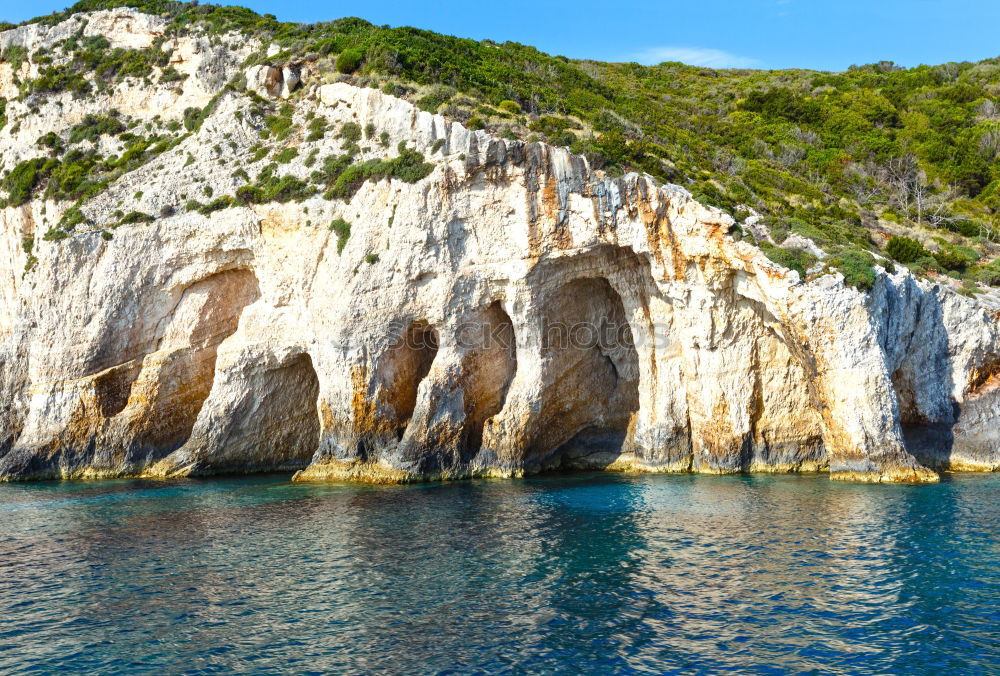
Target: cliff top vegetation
(851, 160)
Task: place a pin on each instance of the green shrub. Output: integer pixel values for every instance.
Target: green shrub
(856, 266)
(350, 132)
(962, 226)
(550, 125)
(52, 141)
(271, 188)
(132, 157)
(435, 98)
(793, 259)
(317, 129)
(286, 155)
(237, 83)
(370, 130)
(408, 166)
(3, 112)
(784, 104)
(926, 264)
(565, 138)
(77, 175)
(280, 126)
(135, 217)
(195, 117)
(343, 230)
(988, 274)
(509, 106)
(72, 218)
(117, 64)
(15, 55)
(53, 80)
(92, 127)
(475, 123)
(95, 42)
(779, 231)
(192, 118)
(350, 60)
(223, 202)
(27, 244)
(956, 257)
(250, 194)
(905, 249)
(333, 167)
(22, 180)
(54, 235)
(170, 74)
(371, 258)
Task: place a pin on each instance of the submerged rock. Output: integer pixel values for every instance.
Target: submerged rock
(510, 312)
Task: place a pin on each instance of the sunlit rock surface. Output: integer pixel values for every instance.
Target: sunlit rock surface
(514, 311)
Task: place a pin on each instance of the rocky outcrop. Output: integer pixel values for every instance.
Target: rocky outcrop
(267, 80)
(513, 311)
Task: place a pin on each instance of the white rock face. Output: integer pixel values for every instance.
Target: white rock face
(510, 312)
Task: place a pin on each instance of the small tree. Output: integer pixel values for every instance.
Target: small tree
(905, 249)
(350, 60)
(509, 106)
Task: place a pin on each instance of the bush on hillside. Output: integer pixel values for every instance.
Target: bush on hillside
(905, 249)
(856, 266)
(350, 60)
(343, 230)
(793, 259)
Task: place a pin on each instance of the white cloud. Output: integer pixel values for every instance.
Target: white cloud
(694, 56)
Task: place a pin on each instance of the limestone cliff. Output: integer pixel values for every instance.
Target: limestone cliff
(503, 310)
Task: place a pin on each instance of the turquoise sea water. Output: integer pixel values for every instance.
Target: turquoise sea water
(582, 574)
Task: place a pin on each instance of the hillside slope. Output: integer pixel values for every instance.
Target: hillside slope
(845, 160)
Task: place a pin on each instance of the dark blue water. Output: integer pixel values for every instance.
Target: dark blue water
(592, 574)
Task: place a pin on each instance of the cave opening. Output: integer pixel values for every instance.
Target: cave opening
(488, 368)
(176, 379)
(269, 421)
(407, 364)
(591, 375)
(279, 427)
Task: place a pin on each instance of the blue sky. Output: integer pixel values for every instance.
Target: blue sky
(821, 34)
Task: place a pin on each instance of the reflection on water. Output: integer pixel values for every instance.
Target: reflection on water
(593, 573)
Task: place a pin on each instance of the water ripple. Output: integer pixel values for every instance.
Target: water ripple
(584, 574)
